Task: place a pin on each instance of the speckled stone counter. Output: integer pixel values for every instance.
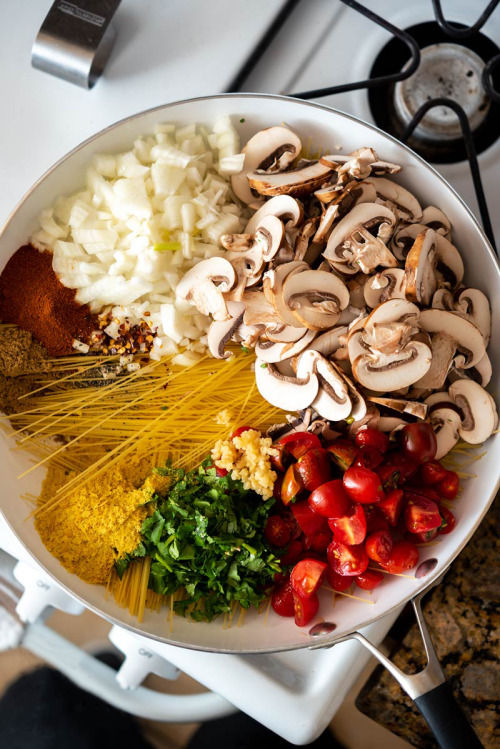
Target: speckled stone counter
(463, 617)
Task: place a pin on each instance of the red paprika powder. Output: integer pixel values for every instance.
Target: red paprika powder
(32, 297)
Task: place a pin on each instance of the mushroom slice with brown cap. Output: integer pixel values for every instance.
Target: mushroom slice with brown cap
(315, 298)
(283, 207)
(284, 333)
(443, 350)
(273, 289)
(443, 299)
(220, 333)
(283, 391)
(357, 242)
(357, 164)
(329, 342)
(258, 309)
(273, 150)
(468, 339)
(412, 408)
(445, 420)
(248, 335)
(481, 373)
(295, 182)
(387, 284)
(198, 286)
(332, 401)
(408, 207)
(388, 372)
(303, 238)
(420, 276)
(475, 306)
(272, 352)
(449, 263)
(480, 417)
(436, 219)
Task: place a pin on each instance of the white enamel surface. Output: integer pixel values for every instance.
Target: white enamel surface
(328, 129)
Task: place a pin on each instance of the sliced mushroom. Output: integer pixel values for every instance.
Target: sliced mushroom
(420, 276)
(283, 391)
(272, 352)
(220, 333)
(408, 207)
(248, 335)
(273, 289)
(198, 286)
(412, 408)
(391, 423)
(332, 400)
(296, 182)
(283, 207)
(284, 333)
(387, 284)
(449, 264)
(327, 343)
(315, 298)
(357, 164)
(358, 241)
(436, 219)
(258, 310)
(468, 339)
(273, 150)
(445, 420)
(443, 350)
(300, 423)
(480, 373)
(475, 306)
(303, 238)
(480, 418)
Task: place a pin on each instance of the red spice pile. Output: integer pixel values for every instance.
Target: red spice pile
(32, 297)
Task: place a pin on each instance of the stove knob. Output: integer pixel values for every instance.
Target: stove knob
(140, 659)
(41, 592)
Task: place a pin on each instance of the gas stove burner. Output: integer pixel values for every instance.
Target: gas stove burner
(449, 70)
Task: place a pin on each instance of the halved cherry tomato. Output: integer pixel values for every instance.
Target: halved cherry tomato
(299, 443)
(292, 554)
(330, 500)
(418, 441)
(424, 537)
(292, 524)
(319, 542)
(309, 522)
(448, 487)
(277, 486)
(350, 529)
(292, 484)
(372, 438)
(407, 467)
(282, 599)
(276, 531)
(363, 485)
(219, 472)
(347, 560)
(314, 468)
(404, 556)
(378, 546)
(369, 457)
(432, 472)
(391, 506)
(307, 576)
(421, 514)
(340, 583)
(238, 432)
(375, 520)
(448, 522)
(343, 453)
(369, 579)
(282, 460)
(305, 609)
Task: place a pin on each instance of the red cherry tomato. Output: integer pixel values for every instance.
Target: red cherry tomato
(305, 609)
(282, 599)
(347, 560)
(428, 492)
(219, 472)
(292, 554)
(406, 467)
(330, 500)
(369, 579)
(319, 542)
(424, 537)
(276, 531)
(343, 453)
(307, 576)
(340, 583)
(372, 438)
(421, 514)
(432, 472)
(292, 524)
(309, 522)
(238, 432)
(369, 457)
(378, 546)
(448, 487)
(277, 487)
(292, 484)
(404, 556)
(363, 485)
(350, 529)
(418, 441)
(314, 468)
(299, 443)
(390, 476)
(391, 506)
(448, 521)
(282, 460)
(375, 520)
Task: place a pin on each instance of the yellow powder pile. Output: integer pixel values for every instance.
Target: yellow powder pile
(248, 458)
(90, 528)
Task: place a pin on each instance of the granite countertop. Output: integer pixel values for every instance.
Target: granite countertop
(463, 618)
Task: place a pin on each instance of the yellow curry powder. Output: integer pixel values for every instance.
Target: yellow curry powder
(92, 527)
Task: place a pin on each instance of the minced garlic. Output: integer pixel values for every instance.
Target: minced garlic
(223, 418)
(247, 457)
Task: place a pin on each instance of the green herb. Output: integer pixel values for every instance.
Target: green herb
(163, 246)
(242, 119)
(349, 420)
(207, 536)
(245, 349)
(263, 366)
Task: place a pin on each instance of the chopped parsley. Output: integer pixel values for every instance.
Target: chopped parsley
(206, 535)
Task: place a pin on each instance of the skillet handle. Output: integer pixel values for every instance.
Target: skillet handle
(446, 719)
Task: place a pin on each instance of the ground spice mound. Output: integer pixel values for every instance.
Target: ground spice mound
(32, 297)
(13, 388)
(20, 354)
(92, 527)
